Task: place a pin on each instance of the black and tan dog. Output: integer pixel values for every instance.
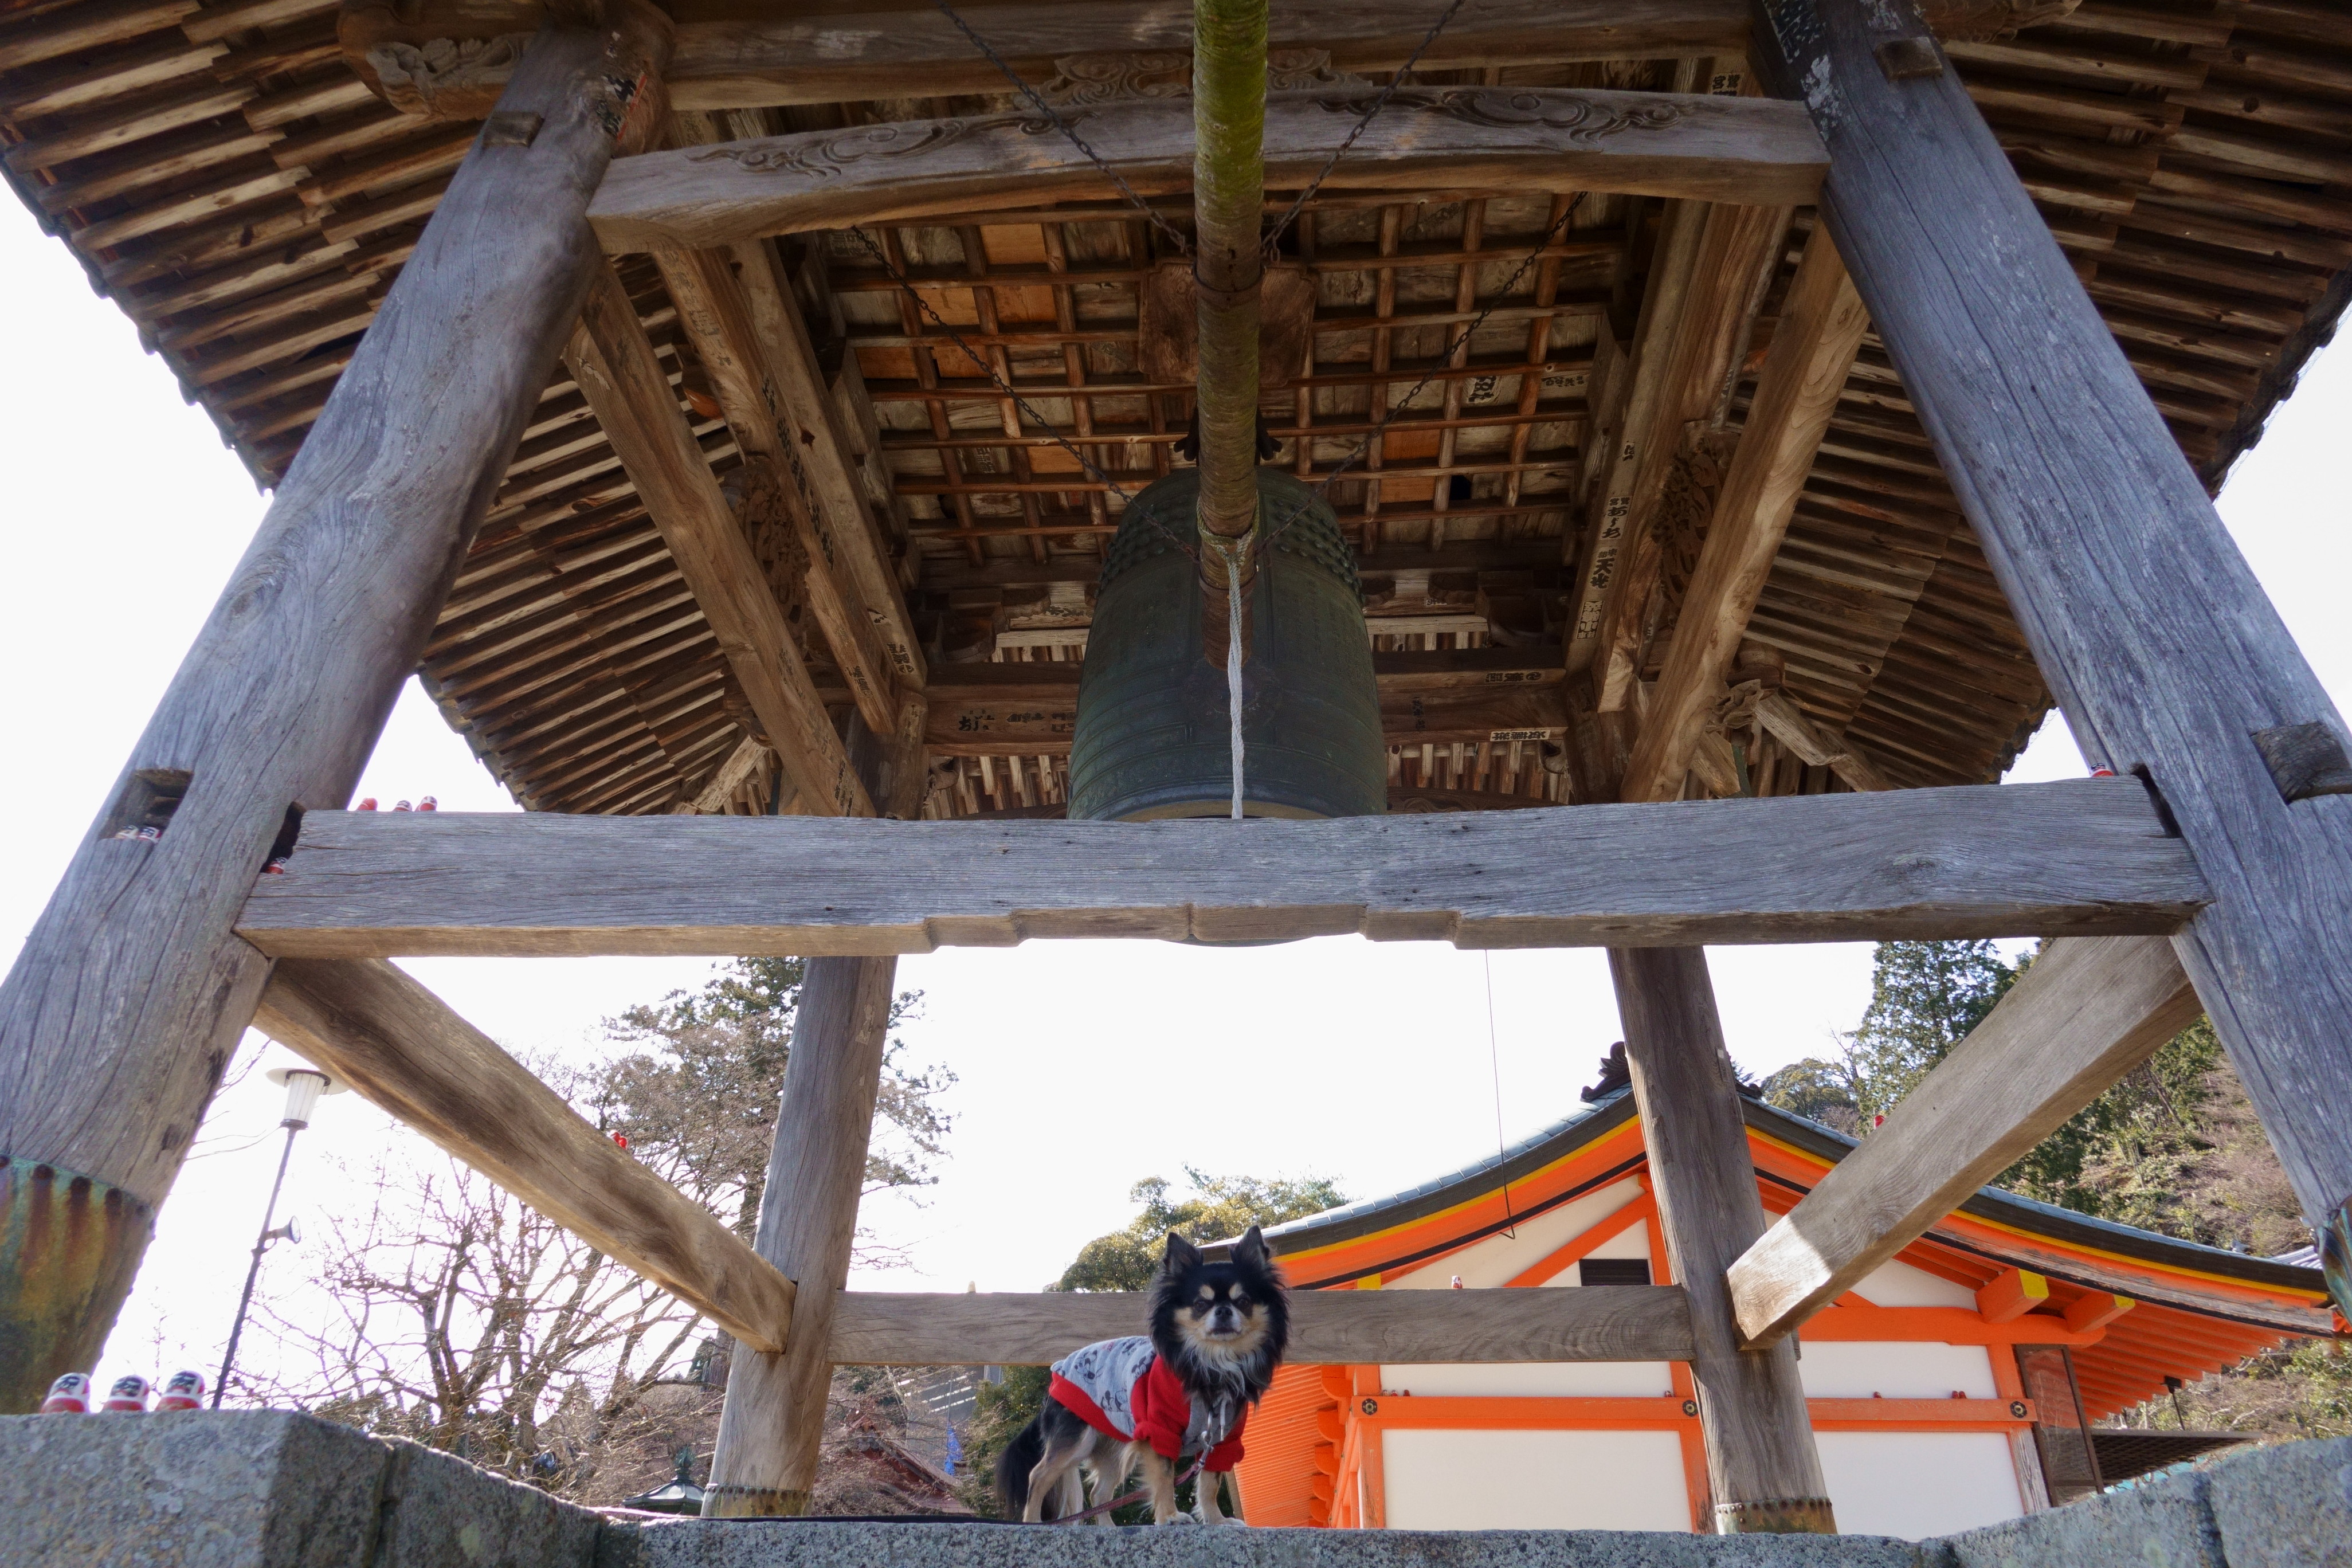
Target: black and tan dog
(1218, 1330)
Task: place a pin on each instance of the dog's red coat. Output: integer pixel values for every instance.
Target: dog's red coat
(1162, 1413)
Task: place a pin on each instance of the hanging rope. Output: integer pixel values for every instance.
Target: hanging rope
(1234, 665)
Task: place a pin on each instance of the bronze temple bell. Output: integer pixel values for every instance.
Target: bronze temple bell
(1152, 738)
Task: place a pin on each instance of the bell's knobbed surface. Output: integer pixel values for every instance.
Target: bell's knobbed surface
(1153, 737)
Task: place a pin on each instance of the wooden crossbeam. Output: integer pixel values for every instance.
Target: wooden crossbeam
(820, 460)
(2080, 857)
(613, 360)
(1739, 251)
(717, 321)
(1622, 413)
(1629, 1322)
(765, 59)
(402, 1048)
(1746, 150)
(1821, 326)
(2087, 1012)
(738, 309)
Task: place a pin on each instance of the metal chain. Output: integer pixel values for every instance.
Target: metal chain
(1282, 223)
(1174, 235)
(1265, 540)
(1006, 387)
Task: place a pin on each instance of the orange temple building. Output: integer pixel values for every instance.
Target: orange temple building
(1953, 1388)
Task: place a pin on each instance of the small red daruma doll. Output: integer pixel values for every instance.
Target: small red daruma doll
(70, 1395)
(128, 1395)
(185, 1392)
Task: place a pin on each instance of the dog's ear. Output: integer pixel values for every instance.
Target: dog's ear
(1250, 1251)
(1181, 1255)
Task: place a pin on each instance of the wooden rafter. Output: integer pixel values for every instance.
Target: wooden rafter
(615, 363)
(1820, 324)
(1739, 251)
(717, 319)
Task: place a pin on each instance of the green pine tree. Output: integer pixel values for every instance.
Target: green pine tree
(1925, 998)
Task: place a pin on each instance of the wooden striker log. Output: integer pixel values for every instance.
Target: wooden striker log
(133, 988)
(1763, 1470)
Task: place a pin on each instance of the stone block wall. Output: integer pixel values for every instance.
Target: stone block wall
(273, 1490)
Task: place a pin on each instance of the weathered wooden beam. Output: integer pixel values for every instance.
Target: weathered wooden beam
(1748, 150)
(2088, 1011)
(1764, 1474)
(718, 323)
(819, 460)
(128, 996)
(750, 758)
(613, 360)
(1623, 426)
(747, 61)
(2142, 614)
(405, 1050)
(2079, 857)
(749, 295)
(1739, 252)
(1788, 724)
(773, 1420)
(1821, 326)
(1327, 1327)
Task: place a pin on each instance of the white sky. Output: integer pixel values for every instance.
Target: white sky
(1084, 1066)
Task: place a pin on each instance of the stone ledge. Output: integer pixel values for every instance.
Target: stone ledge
(263, 1488)
(697, 1543)
(277, 1489)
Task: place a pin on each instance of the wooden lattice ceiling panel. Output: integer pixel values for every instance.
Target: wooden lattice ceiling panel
(248, 200)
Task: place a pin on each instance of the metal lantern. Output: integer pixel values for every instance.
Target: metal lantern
(1153, 736)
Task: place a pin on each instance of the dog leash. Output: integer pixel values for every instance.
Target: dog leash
(1208, 1443)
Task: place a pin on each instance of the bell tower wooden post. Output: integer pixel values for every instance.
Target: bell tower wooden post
(2163, 650)
(131, 990)
(1763, 1470)
(772, 1421)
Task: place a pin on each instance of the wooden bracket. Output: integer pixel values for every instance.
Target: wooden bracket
(1909, 59)
(2012, 1294)
(2305, 759)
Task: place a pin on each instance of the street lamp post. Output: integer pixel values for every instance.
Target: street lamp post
(303, 1086)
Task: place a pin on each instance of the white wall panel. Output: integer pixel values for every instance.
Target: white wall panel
(1895, 1369)
(1918, 1484)
(1514, 1380)
(1535, 1480)
(1900, 1285)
